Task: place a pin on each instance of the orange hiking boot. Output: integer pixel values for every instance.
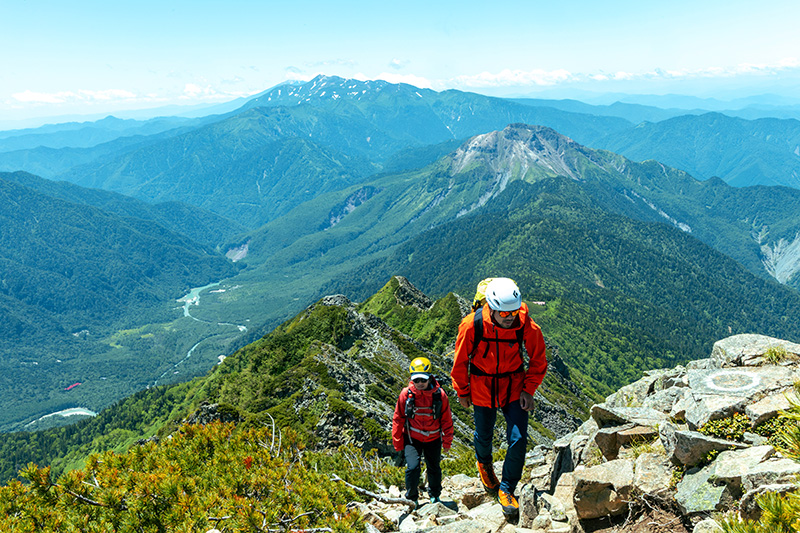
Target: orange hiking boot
(509, 503)
(488, 478)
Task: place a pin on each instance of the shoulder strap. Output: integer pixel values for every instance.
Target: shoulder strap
(437, 403)
(478, 324)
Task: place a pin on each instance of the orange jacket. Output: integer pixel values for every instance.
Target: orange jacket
(423, 427)
(496, 375)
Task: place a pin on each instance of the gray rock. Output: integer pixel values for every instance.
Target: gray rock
(553, 506)
(463, 526)
(652, 474)
(748, 349)
(665, 400)
(435, 509)
(753, 439)
(490, 514)
(770, 472)
(730, 466)
(705, 408)
(696, 495)
(542, 520)
(702, 364)
(606, 415)
(568, 452)
(708, 525)
(603, 490)
(689, 448)
(767, 407)
(633, 395)
(607, 440)
(748, 506)
(527, 505)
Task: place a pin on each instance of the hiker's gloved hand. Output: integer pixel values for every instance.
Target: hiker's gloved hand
(465, 401)
(399, 458)
(525, 401)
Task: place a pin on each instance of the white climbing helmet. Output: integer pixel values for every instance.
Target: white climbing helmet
(502, 294)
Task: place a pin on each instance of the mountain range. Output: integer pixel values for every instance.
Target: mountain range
(335, 186)
(376, 119)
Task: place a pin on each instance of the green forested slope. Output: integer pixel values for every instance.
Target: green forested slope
(621, 295)
(198, 224)
(742, 152)
(77, 285)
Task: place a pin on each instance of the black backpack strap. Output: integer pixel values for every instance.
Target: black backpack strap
(436, 406)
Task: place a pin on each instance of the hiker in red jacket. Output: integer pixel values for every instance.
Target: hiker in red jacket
(422, 425)
(489, 373)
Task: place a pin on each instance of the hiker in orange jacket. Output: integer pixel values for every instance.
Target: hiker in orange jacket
(422, 424)
(490, 374)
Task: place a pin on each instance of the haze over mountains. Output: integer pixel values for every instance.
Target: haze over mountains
(335, 185)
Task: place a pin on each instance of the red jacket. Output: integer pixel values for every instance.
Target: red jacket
(422, 427)
(491, 381)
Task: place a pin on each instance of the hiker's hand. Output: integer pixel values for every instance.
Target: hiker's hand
(465, 401)
(525, 401)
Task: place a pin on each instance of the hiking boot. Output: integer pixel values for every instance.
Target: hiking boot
(488, 478)
(435, 499)
(509, 504)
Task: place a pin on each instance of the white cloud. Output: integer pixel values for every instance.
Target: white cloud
(397, 64)
(43, 98)
(539, 77)
(195, 92)
(109, 94)
(509, 77)
(63, 97)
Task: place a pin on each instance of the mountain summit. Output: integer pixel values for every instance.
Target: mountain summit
(518, 148)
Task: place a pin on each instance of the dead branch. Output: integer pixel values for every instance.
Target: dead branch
(401, 501)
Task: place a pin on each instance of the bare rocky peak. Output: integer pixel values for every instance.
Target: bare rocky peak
(407, 294)
(521, 147)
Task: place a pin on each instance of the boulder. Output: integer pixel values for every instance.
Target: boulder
(729, 467)
(749, 350)
(767, 407)
(665, 400)
(689, 448)
(607, 415)
(708, 525)
(697, 495)
(528, 509)
(554, 507)
(652, 474)
(748, 506)
(608, 441)
(705, 408)
(603, 490)
(772, 471)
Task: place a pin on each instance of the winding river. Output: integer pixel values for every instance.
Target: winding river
(193, 298)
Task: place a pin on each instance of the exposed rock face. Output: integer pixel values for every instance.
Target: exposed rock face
(738, 378)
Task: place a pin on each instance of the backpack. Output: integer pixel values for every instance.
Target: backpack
(480, 293)
(436, 405)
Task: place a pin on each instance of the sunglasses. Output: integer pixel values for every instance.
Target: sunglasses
(506, 314)
(420, 380)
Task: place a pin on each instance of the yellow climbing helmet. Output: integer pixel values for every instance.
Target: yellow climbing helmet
(420, 367)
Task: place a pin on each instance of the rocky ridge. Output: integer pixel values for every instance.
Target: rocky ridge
(639, 464)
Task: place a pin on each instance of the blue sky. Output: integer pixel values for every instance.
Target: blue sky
(88, 57)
